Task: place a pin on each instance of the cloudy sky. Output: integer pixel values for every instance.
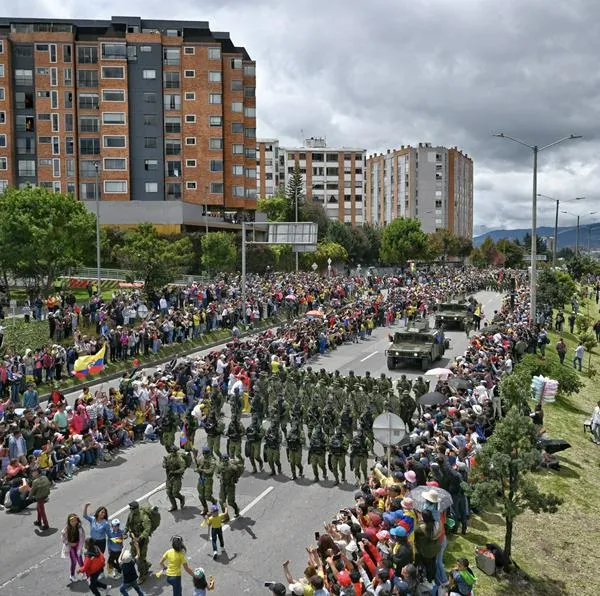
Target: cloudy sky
(382, 73)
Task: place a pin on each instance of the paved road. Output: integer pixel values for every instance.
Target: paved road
(279, 516)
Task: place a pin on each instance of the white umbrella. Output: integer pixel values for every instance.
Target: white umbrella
(440, 373)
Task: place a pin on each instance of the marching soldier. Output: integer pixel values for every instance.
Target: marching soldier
(140, 526)
(403, 384)
(272, 449)
(347, 422)
(206, 470)
(366, 423)
(229, 472)
(214, 428)
(368, 382)
(294, 442)
(235, 432)
(337, 456)
(256, 405)
(351, 381)
(359, 452)
(236, 402)
(175, 466)
(254, 435)
(316, 453)
(166, 429)
(279, 413)
(407, 408)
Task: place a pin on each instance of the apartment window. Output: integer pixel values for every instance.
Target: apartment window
(250, 173)
(237, 191)
(42, 71)
(52, 52)
(190, 163)
(171, 56)
(1, 47)
(172, 147)
(89, 124)
(237, 85)
(44, 162)
(70, 188)
(189, 50)
(237, 149)
(88, 101)
(89, 146)
(191, 185)
(87, 54)
(55, 122)
(250, 112)
(150, 143)
(54, 77)
(115, 164)
(67, 53)
(214, 98)
(251, 193)
(214, 76)
(171, 80)
(56, 168)
(88, 191)
(113, 118)
(24, 100)
(215, 143)
(173, 191)
(190, 96)
(150, 97)
(216, 188)
(150, 120)
(214, 54)
(250, 133)
(87, 78)
(190, 118)
(87, 168)
(24, 146)
(145, 49)
(70, 146)
(3, 163)
(26, 167)
(173, 124)
(1, 93)
(56, 186)
(150, 165)
(172, 101)
(173, 169)
(68, 122)
(237, 106)
(114, 141)
(114, 51)
(44, 140)
(3, 140)
(149, 73)
(250, 70)
(216, 165)
(215, 121)
(250, 152)
(23, 77)
(190, 140)
(151, 186)
(249, 91)
(40, 47)
(236, 63)
(113, 95)
(115, 186)
(113, 72)
(237, 127)
(54, 100)
(238, 170)
(189, 74)
(68, 99)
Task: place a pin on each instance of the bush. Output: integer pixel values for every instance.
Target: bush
(569, 381)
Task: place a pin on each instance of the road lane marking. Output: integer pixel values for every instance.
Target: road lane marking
(142, 498)
(250, 505)
(369, 356)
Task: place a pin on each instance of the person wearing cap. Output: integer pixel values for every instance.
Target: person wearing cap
(277, 589)
(205, 468)
(215, 521)
(140, 527)
(115, 547)
(229, 471)
(201, 583)
(427, 543)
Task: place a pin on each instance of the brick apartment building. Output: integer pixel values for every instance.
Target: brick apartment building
(334, 176)
(161, 113)
(431, 184)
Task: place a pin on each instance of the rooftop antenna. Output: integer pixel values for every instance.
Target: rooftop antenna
(302, 137)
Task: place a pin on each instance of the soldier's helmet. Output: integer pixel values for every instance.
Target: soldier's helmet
(171, 449)
(367, 374)
(206, 449)
(224, 457)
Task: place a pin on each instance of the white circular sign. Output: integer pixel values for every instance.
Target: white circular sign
(389, 429)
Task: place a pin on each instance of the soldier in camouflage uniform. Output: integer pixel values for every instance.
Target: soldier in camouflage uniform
(235, 432)
(403, 384)
(294, 441)
(254, 435)
(167, 428)
(316, 452)
(272, 449)
(139, 525)
(337, 456)
(407, 409)
(229, 472)
(214, 428)
(205, 468)
(175, 466)
(359, 453)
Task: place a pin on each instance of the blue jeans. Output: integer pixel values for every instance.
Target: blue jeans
(441, 576)
(175, 582)
(126, 587)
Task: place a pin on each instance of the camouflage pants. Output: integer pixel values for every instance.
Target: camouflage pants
(174, 488)
(295, 459)
(234, 449)
(317, 460)
(254, 455)
(214, 444)
(227, 495)
(205, 491)
(338, 467)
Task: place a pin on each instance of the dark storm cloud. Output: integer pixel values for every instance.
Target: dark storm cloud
(383, 73)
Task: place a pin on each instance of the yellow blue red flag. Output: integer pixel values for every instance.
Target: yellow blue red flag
(89, 365)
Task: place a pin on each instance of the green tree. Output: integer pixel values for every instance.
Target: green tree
(325, 250)
(465, 247)
(402, 240)
(219, 252)
(513, 253)
(581, 266)
(295, 193)
(444, 243)
(277, 208)
(315, 212)
(43, 234)
(373, 234)
(541, 247)
(155, 260)
(554, 287)
(502, 475)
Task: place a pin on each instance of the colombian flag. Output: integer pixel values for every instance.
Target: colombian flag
(89, 365)
(183, 438)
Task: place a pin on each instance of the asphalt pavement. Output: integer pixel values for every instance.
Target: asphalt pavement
(279, 516)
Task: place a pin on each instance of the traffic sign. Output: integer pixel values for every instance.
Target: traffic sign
(314, 266)
(537, 257)
(389, 429)
(13, 304)
(142, 311)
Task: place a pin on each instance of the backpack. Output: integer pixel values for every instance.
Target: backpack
(153, 514)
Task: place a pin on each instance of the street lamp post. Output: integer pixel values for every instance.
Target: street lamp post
(555, 247)
(535, 149)
(97, 197)
(577, 229)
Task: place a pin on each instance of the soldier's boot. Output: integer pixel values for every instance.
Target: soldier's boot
(294, 477)
(204, 505)
(272, 467)
(236, 510)
(173, 504)
(181, 500)
(343, 476)
(278, 467)
(316, 472)
(337, 480)
(301, 469)
(324, 469)
(253, 464)
(260, 464)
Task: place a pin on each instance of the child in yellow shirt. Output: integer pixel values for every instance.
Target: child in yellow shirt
(215, 523)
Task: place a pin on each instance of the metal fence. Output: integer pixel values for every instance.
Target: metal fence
(91, 273)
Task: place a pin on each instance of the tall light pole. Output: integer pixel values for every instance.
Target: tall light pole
(577, 230)
(97, 197)
(590, 228)
(555, 247)
(535, 149)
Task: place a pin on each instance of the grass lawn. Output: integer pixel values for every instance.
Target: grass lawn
(20, 294)
(556, 553)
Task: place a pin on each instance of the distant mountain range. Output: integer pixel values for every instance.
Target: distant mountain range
(567, 236)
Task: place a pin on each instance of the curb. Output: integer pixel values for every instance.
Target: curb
(186, 352)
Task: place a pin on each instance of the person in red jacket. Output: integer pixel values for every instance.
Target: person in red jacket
(93, 564)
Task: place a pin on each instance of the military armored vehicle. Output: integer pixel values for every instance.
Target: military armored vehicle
(416, 345)
(452, 314)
